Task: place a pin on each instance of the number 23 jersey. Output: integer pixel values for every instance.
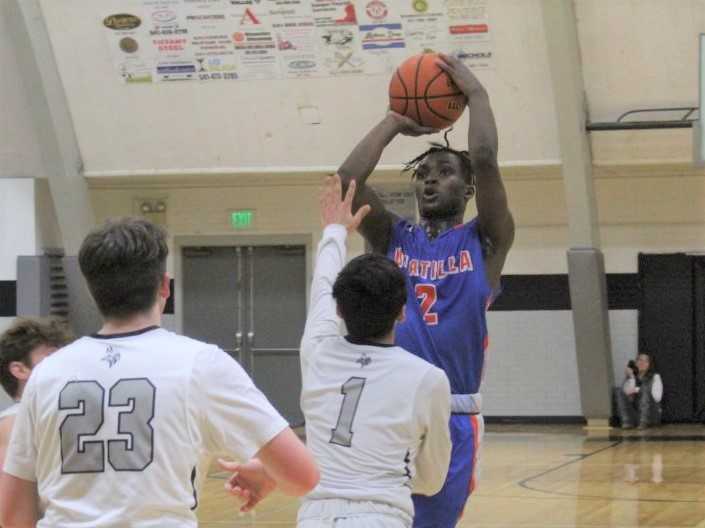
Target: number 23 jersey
(447, 299)
(114, 429)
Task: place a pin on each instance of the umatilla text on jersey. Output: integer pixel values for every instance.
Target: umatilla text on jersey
(434, 269)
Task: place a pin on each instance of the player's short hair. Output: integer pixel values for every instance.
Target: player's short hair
(462, 155)
(18, 341)
(124, 262)
(370, 292)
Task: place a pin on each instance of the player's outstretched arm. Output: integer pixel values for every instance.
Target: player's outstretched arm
(337, 220)
(18, 502)
(495, 220)
(433, 458)
(377, 226)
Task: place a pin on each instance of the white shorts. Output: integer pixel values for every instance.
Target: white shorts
(341, 513)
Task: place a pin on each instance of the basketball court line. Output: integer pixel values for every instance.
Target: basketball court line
(579, 458)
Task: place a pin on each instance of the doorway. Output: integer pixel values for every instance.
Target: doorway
(251, 301)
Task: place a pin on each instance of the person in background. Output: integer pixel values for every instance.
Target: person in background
(22, 347)
(639, 398)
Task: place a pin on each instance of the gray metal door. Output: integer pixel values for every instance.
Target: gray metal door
(251, 301)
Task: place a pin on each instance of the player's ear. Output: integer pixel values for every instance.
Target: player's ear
(165, 287)
(469, 191)
(20, 370)
(164, 292)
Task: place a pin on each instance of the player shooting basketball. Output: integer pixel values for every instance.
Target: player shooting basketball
(452, 268)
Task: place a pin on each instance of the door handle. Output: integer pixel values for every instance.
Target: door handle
(251, 338)
(238, 341)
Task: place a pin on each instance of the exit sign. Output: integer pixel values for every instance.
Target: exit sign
(242, 219)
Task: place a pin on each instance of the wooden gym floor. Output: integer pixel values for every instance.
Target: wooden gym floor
(552, 477)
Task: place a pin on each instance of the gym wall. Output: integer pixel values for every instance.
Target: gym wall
(181, 126)
(531, 369)
(185, 142)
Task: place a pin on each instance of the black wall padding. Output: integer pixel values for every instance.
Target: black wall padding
(623, 291)
(533, 292)
(666, 328)
(169, 308)
(8, 298)
(551, 292)
(699, 336)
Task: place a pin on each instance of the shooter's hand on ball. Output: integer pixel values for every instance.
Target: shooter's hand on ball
(464, 79)
(408, 127)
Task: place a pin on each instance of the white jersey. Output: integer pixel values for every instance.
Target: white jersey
(376, 416)
(113, 428)
(10, 411)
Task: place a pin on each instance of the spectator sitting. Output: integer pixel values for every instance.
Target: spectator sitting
(639, 398)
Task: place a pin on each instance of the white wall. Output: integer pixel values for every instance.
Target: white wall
(19, 157)
(634, 54)
(17, 224)
(17, 233)
(241, 124)
(639, 54)
(19, 154)
(647, 200)
(532, 364)
(531, 368)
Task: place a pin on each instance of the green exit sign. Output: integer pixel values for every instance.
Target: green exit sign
(242, 219)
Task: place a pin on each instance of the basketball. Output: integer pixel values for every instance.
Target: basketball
(422, 91)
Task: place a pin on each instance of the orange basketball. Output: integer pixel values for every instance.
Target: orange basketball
(421, 90)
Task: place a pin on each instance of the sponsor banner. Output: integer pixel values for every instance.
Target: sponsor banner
(211, 27)
(338, 37)
(470, 33)
(425, 25)
(130, 45)
(382, 36)
(297, 38)
(215, 40)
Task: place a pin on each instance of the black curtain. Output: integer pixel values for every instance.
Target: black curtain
(699, 336)
(666, 329)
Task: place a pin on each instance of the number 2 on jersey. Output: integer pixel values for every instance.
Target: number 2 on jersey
(351, 391)
(88, 398)
(427, 296)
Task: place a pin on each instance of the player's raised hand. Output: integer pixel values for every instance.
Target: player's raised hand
(464, 79)
(408, 127)
(249, 482)
(338, 210)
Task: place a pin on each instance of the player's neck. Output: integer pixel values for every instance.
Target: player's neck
(386, 340)
(434, 227)
(133, 323)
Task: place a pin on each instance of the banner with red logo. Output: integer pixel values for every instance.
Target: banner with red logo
(213, 40)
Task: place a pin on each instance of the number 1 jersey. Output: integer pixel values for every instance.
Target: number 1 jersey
(376, 416)
(114, 428)
(447, 299)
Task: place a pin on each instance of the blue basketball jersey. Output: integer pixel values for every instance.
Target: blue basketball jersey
(447, 300)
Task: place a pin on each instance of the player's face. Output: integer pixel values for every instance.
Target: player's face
(441, 189)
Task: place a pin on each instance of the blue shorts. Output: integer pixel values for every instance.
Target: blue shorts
(444, 509)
